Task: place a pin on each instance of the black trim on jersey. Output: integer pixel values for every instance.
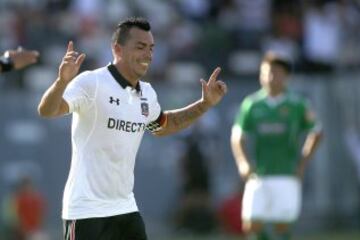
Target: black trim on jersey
(157, 124)
(120, 79)
(158, 120)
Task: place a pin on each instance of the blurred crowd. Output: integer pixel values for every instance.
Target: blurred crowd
(23, 212)
(191, 36)
(317, 35)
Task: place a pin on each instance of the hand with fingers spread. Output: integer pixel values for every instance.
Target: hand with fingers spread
(70, 64)
(213, 90)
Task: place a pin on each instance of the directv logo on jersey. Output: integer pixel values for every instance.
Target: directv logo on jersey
(271, 128)
(125, 126)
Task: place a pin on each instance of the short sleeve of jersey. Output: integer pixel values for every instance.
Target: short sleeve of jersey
(80, 91)
(243, 117)
(309, 120)
(156, 116)
(155, 109)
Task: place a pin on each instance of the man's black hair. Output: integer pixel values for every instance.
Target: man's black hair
(121, 34)
(273, 58)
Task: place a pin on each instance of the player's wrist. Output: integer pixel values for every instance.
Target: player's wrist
(61, 82)
(205, 105)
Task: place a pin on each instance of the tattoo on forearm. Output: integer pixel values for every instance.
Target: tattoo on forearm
(182, 118)
(186, 116)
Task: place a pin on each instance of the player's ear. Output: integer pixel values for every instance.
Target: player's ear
(116, 48)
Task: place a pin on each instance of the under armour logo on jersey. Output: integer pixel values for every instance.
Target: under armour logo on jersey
(114, 100)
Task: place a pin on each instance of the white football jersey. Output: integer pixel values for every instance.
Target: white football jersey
(109, 120)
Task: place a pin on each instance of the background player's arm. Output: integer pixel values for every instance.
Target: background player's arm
(312, 139)
(238, 143)
(178, 119)
(52, 103)
(310, 145)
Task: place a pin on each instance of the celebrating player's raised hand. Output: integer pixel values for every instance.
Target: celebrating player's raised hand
(70, 64)
(213, 90)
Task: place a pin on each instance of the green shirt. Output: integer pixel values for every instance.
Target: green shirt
(276, 129)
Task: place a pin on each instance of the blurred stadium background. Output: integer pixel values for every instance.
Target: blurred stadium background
(192, 37)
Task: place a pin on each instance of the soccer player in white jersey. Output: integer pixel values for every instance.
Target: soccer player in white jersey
(111, 108)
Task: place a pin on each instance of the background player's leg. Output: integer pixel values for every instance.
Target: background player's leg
(287, 205)
(282, 231)
(255, 208)
(263, 235)
(255, 230)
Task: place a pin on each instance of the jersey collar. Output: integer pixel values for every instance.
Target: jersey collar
(120, 79)
(273, 101)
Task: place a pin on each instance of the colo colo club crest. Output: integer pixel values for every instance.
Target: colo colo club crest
(145, 109)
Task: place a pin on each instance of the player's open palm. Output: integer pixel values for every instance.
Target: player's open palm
(71, 63)
(213, 90)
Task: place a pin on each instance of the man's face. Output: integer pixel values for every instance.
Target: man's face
(137, 52)
(273, 77)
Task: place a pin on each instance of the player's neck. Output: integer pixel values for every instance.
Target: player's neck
(275, 92)
(123, 70)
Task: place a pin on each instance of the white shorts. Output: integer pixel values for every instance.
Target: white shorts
(272, 199)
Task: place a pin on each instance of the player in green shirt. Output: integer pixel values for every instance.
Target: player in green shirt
(275, 120)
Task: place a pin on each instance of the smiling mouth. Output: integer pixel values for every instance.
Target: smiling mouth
(144, 63)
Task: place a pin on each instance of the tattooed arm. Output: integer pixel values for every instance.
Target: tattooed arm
(178, 119)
